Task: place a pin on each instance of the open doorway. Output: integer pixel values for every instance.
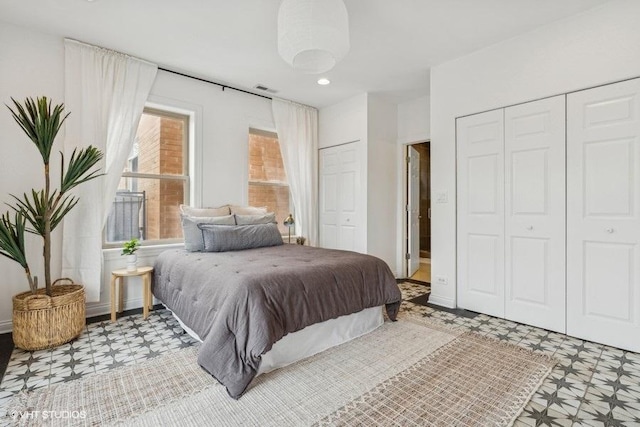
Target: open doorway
(419, 212)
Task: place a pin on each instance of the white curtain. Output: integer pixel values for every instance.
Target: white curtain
(105, 92)
(297, 127)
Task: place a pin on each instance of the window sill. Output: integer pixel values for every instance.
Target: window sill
(110, 254)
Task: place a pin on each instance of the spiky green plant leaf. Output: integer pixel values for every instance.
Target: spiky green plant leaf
(34, 209)
(78, 170)
(62, 209)
(12, 238)
(40, 122)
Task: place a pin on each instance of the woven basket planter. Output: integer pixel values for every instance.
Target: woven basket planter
(41, 321)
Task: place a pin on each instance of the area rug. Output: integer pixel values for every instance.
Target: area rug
(410, 372)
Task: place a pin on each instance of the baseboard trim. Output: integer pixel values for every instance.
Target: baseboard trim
(92, 310)
(98, 309)
(6, 326)
(442, 302)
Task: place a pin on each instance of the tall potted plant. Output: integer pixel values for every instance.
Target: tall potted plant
(53, 315)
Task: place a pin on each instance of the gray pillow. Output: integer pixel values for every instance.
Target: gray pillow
(256, 219)
(193, 240)
(221, 238)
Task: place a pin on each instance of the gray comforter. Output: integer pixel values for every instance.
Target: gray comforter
(240, 303)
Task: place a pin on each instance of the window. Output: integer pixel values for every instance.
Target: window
(154, 182)
(268, 184)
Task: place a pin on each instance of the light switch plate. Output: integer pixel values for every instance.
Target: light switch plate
(442, 197)
(441, 280)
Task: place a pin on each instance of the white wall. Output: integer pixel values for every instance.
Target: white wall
(596, 47)
(372, 121)
(414, 125)
(382, 133)
(343, 122)
(414, 120)
(32, 64)
(223, 135)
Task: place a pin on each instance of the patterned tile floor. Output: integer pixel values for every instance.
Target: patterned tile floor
(592, 385)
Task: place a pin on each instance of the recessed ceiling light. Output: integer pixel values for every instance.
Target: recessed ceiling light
(324, 81)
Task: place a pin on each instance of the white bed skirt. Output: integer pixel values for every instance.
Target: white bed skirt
(314, 338)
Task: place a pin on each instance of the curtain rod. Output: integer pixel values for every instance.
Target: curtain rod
(213, 83)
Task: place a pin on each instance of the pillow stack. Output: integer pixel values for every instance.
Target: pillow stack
(228, 228)
(192, 217)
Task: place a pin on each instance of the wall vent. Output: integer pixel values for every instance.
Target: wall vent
(264, 88)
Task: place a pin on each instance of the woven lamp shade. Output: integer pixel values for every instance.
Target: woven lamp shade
(313, 35)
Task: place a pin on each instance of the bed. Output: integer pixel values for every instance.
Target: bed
(258, 309)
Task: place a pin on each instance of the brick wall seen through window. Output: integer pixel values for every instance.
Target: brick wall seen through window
(154, 182)
(268, 184)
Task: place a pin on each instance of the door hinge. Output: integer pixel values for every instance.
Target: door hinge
(407, 256)
(408, 208)
(408, 159)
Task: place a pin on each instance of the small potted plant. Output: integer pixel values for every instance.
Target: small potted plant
(129, 249)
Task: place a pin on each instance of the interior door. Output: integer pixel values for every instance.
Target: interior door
(480, 144)
(328, 196)
(535, 213)
(413, 211)
(340, 198)
(603, 214)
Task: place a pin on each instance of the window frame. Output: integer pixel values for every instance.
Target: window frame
(187, 117)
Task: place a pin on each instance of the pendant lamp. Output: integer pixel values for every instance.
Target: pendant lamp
(313, 35)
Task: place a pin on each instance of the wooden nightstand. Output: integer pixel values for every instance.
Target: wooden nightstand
(119, 275)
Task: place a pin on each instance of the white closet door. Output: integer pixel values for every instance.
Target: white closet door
(603, 214)
(535, 213)
(340, 198)
(480, 144)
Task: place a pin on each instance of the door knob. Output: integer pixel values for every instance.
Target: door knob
(609, 230)
(348, 219)
(530, 227)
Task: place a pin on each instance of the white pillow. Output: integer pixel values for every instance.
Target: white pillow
(267, 218)
(193, 240)
(205, 212)
(248, 210)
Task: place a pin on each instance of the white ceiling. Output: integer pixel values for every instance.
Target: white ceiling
(393, 42)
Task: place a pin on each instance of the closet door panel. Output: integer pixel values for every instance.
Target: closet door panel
(535, 213)
(603, 217)
(480, 146)
(527, 255)
(340, 198)
(349, 183)
(611, 264)
(328, 195)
